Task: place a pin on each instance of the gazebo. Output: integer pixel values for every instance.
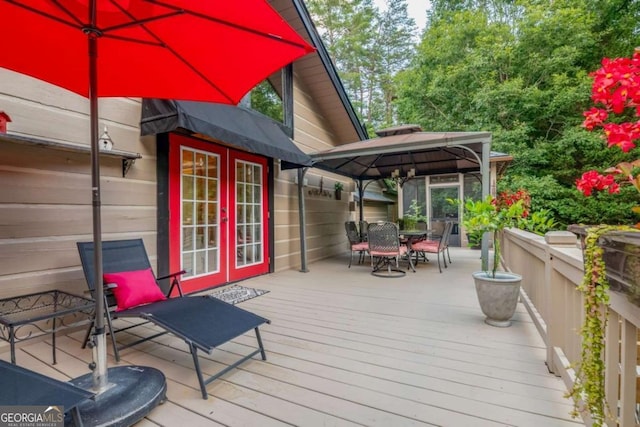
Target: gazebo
(401, 152)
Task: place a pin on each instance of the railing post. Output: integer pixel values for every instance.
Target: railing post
(554, 324)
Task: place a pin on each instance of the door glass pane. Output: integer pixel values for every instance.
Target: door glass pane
(249, 220)
(200, 243)
(414, 189)
(187, 187)
(187, 213)
(442, 210)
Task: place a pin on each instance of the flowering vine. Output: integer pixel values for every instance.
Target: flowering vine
(616, 89)
(588, 389)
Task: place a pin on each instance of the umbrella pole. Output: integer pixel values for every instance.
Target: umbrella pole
(100, 379)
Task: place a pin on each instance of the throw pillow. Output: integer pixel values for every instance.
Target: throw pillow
(134, 288)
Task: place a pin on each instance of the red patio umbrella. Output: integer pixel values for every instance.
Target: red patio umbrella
(215, 50)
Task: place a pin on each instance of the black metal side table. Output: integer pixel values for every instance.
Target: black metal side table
(29, 316)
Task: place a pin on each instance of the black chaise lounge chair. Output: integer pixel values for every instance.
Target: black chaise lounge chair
(203, 322)
(22, 387)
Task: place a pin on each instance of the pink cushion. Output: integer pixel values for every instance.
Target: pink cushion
(401, 251)
(426, 246)
(134, 288)
(362, 246)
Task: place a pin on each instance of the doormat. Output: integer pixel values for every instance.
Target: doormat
(237, 293)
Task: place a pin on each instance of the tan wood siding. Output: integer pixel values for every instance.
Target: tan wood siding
(374, 212)
(325, 216)
(45, 193)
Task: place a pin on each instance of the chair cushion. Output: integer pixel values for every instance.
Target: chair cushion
(134, 288)
(401, 251)
(362, 246)
(426, 246)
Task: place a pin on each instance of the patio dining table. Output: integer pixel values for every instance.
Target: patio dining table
(409, 237)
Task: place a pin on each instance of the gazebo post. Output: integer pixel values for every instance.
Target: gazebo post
(485, 172)
(361, 199)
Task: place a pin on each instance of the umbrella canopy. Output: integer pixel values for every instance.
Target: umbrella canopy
(212, 51)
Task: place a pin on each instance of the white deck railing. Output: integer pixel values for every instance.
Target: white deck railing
(551, 270)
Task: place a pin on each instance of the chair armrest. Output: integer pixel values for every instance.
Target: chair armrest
(175, 282)
(179, 273)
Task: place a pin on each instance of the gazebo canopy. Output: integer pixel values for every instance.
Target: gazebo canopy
(405, 148)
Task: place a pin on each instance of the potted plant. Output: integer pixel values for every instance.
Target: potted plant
(474, 240)
(338, 186)
(498, 291)
(413, 216)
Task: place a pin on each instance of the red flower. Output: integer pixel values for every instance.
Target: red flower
(592, 180)
(622, 135)
(506, 199)
(594, 117)
(616, 86)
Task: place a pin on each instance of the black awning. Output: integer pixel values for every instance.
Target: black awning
(232, 125)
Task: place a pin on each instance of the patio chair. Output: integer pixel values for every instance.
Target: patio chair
(435, 245)
(385, 249)
(203, 322)
(364, 229)
(354, 242)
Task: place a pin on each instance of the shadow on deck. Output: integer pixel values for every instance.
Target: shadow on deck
(348, 348)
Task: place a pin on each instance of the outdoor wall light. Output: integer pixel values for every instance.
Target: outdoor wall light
(105, 141)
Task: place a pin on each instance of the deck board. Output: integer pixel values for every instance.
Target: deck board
(348, 348)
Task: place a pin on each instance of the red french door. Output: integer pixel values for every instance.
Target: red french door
(218, 207)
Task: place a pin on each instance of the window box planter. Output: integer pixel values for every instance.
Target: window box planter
(622, 261)
(621, 258)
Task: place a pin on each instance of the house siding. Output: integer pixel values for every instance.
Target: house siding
(45, 193)
(325, 216)
(45, 197)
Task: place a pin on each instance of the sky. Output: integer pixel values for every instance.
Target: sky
(417, 10)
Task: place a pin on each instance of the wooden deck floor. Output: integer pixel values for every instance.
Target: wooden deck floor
(348, 348)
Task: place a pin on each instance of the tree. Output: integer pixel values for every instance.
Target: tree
(368, 48)
(520, 70)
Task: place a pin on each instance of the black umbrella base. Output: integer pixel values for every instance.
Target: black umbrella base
(134, 391)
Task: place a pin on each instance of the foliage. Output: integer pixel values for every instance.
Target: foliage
(338, 186)
(265, 100)
(368, 47)
(535, 221)
(588, 389)
(616, 87)
(492, 215)
(539, 222)
(521, 71)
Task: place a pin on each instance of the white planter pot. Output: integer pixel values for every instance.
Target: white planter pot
(498, 297)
